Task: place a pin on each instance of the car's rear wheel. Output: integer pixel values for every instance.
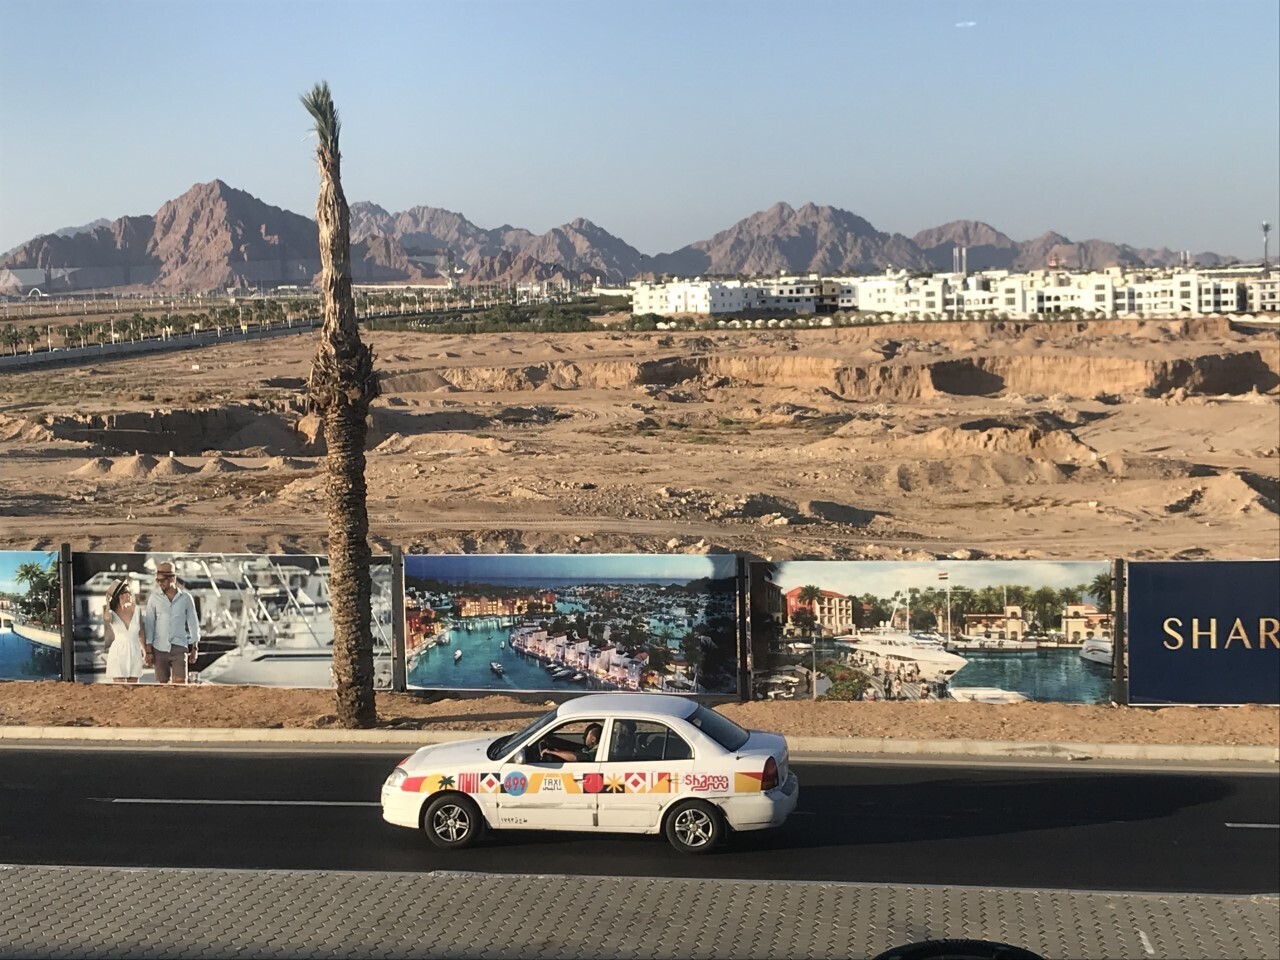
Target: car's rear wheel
(694, 826)
(452, 821)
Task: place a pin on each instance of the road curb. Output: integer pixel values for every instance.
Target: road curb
(868, 746)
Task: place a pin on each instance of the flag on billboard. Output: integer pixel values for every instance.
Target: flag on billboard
(942, 575)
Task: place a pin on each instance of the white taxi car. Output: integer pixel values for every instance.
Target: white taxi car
(610, 763)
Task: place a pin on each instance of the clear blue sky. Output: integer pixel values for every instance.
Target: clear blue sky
(1142, 121)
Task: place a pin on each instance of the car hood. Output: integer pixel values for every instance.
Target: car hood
(440, 755)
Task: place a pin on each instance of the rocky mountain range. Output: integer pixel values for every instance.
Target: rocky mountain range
(215, 236)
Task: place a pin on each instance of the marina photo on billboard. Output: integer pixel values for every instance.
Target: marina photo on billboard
(554, 622)
(995, 631)
(30, 616)
(264, 620)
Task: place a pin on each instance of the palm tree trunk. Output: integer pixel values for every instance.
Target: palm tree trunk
(340, 389)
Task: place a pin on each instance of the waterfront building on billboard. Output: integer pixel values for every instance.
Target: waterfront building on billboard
(1011, 624)
(1084, 621)
(832, 611)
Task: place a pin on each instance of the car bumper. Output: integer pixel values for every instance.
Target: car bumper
(401, 807)
(763, 810)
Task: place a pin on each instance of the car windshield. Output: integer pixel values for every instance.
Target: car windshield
(502, 745)
(719, 728)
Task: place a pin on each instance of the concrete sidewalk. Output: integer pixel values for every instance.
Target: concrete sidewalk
(851, 746)
(89, 912)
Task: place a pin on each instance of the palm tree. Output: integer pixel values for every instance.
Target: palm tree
(340, 389)
(1100, 590)
(808, 596)
(41, 602)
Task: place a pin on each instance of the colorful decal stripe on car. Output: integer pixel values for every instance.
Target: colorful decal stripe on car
(518, 783)
(747, 782)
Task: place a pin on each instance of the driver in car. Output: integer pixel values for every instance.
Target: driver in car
(590, 740)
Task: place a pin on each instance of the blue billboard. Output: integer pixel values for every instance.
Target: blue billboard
(1204, 632)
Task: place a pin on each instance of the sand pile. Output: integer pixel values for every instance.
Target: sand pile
(220, 465)
(139, 465)
(171, 467)
(19, 428)
(97, 467)
(420, 381)
(289, 463)
(267, 434)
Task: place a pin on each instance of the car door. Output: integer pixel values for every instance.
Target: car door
(545, 794)
(646, 762)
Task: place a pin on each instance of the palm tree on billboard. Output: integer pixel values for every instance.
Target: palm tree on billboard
(1100, 590)
(340, 389)
(808, 597)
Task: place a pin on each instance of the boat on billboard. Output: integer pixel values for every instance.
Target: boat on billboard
(997, 631)
(552, 622)
(261, 620)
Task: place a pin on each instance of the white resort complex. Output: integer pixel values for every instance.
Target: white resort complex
(990, 294)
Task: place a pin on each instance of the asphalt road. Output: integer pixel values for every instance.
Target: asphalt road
(1077, 828)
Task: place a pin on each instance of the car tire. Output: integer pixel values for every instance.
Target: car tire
(694, 826)
(452, 821)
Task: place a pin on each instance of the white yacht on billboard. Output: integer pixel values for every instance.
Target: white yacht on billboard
(893, 650)
(285, 634)
(1097, 650)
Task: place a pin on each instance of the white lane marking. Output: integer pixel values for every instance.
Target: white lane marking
(1253, 826)
(1146, 943)
(243, 803)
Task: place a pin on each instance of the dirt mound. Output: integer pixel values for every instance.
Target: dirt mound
(140, 465)
(964, 473)
(289, 463)
(979, 437)
(171, 467)
(268, 434)
(1223, 497)
(420, 381)
(441, 443)
(220, 465)
(19, 428)
(1134, 467)
(97, 467)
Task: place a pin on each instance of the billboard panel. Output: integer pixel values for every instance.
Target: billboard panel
(1204, 632)
(980, 630)
(262, 620)
(30, 616)
(562, 623)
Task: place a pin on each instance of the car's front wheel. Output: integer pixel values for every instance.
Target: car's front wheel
(694, 826)
(452, 821)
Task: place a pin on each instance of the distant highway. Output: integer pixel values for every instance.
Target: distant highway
(1044, 827)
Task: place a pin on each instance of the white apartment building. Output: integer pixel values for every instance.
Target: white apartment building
(707, 297)
(1110, 292)
(1262, 294)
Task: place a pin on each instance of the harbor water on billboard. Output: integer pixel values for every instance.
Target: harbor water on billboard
(435, 667)
(20, 659)
(1049, 674)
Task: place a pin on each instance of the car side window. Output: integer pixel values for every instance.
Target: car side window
(639, 740)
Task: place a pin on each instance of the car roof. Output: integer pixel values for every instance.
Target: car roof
(628, 704)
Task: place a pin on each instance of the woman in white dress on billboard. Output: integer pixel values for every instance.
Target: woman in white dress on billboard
(124, 635)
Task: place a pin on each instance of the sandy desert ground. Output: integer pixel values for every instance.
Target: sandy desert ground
(1069, 440)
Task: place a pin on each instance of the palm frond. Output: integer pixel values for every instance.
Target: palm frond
(319, 103)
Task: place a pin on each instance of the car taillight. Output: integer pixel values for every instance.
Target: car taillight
(769, 779)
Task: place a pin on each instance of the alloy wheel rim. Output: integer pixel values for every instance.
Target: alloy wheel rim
(451, 823)
(694, 828)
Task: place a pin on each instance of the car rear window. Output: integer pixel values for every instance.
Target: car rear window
(719, 728)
